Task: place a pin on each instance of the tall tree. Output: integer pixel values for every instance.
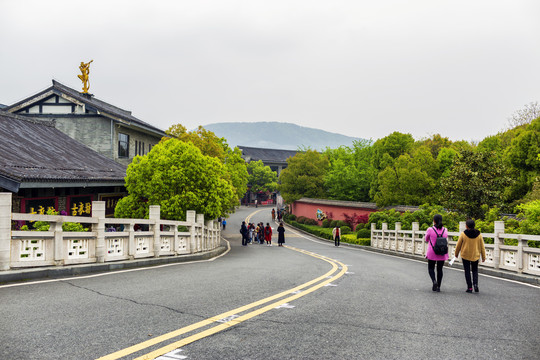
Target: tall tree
(178, 177)
(476, 179)
(261, 177)
(304, 176)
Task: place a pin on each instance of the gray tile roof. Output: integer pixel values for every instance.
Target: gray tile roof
(266, 155)
(33, 150)
(91, 104)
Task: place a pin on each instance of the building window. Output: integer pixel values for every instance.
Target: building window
(136, 148)
(123, 146)
(149, 147)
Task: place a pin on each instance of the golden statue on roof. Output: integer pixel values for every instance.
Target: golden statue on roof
(85, 70)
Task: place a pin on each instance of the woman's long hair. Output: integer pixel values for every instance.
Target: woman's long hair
(437, 220)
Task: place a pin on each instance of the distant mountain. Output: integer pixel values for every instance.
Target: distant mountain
(278, 135)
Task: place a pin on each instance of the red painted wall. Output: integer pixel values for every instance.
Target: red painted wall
(333, 212)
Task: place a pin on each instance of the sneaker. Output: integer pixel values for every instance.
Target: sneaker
(476, 288)
(434, 288)
(438, 288)
(469, 290)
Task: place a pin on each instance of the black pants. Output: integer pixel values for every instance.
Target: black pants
(244, 239)
(336, 241)
(431, 270)
(468, 266)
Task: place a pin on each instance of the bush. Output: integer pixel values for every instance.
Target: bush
(73, 227)
(363, 234)
(291, 217)
(309, 221)
(326, 223)
(341, 223)
(301, 219)
(345, 230)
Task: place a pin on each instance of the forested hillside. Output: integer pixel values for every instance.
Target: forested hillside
(276, 135)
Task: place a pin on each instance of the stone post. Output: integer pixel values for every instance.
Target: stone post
(384, 230)
(200, 238)
(5, 231)
(154, 213)
(497, 242)
(58, 242)
(396, 238)
(132, 247)
(519, 260)
(98, 211)
(462, 226)
(373, 228)
(190, 218)
(415, 229)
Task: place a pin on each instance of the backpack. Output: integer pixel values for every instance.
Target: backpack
(441, 244)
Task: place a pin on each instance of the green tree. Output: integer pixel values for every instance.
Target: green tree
(304, 176)
(476, 179)
(205, 140)
(237, 173)
(393, 146)
(178, 177)
(350, 173)
(261, 177)
(404, 182)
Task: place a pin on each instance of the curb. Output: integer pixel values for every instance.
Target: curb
(20, 275)
(525, 278)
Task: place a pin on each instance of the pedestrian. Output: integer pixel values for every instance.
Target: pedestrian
(437, 230)
(250, 233)
(224, 224)
(336, 234)
(281, 234)
(261, 233)
(268, 235)
(471, 246)
(256, 202)
(244, 232)
(273, 214)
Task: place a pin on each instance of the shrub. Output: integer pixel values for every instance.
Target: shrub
(341, 223)
(301, 219)
(72, 227)
(291, 217)
(363, 234)
(345, 230)
(309, 221)
(326, 223)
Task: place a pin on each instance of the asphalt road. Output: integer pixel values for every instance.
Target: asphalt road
(309, 300)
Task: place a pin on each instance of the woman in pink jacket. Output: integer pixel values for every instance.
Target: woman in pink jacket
(433, 259)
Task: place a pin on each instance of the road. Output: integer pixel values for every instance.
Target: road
(308, 300)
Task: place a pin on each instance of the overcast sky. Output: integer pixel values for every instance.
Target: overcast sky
(359, 68)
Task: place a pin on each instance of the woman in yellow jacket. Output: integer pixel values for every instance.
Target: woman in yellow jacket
(471, 246)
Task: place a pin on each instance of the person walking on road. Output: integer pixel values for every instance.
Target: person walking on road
(244, 232)
(336, 234)
(471, 246)
(281, 234)
(224, 223)
(268, 235)
(273, 214)
(437, 230)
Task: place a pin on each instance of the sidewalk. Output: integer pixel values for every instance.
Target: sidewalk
(55, 272)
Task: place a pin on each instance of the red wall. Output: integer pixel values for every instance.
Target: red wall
(333, 212)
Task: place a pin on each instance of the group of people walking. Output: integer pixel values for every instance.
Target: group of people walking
(260, 234)
(470, 245)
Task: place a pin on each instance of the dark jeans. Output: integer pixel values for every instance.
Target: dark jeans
(244, 239)
(468, 266)
(431, 270)
(336, 241)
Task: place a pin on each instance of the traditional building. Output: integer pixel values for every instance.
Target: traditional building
(45, 168)
(107, 129)
(274, 158)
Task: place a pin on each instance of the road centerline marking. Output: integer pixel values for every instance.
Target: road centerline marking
(296, 291)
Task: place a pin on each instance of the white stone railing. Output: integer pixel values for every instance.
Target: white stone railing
(520, 258)
(22, 249)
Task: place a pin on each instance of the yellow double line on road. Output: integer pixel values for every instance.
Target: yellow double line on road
(296, 293)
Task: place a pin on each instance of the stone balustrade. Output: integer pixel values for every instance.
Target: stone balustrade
(520, 258)
(23, 249)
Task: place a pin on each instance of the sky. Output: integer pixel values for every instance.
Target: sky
(359, 68)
